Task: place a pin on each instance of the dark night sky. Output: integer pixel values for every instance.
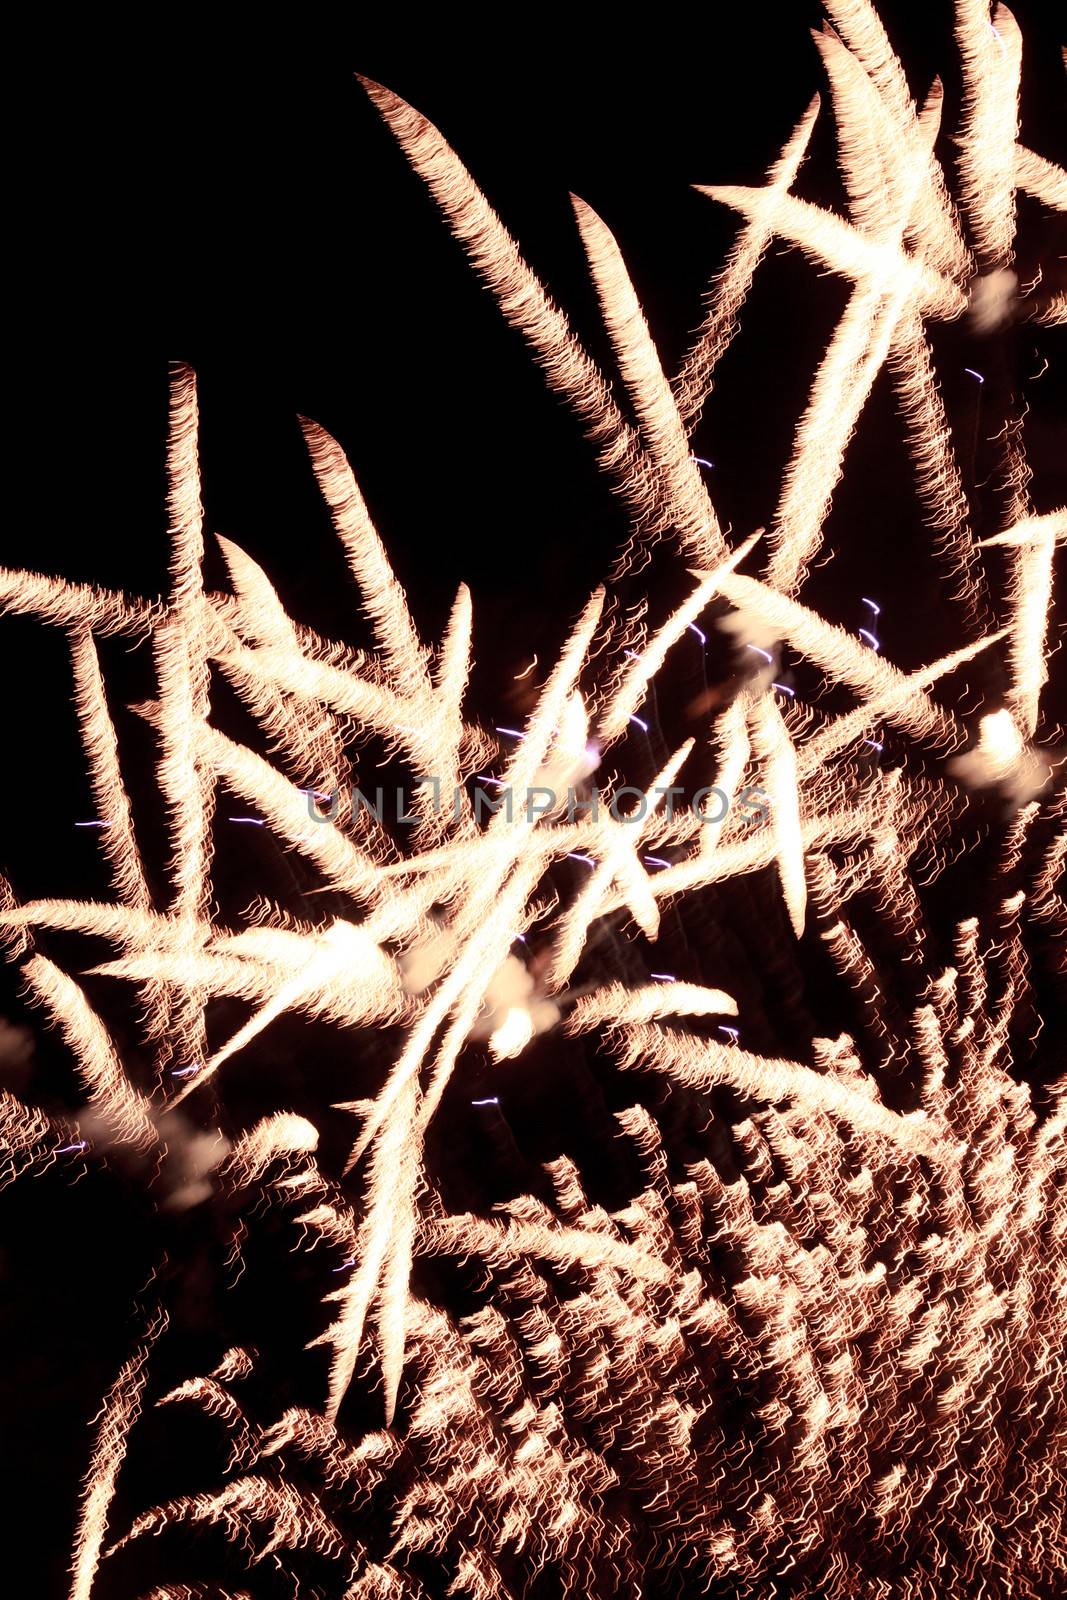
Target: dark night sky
(237, 203)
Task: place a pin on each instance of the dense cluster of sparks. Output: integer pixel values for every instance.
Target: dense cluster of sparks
(827, 1364)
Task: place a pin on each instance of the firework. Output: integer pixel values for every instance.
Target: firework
(819, 1352)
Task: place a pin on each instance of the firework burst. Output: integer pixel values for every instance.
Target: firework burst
(819, 1351)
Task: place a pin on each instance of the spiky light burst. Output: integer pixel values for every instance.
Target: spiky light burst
(826, 1357)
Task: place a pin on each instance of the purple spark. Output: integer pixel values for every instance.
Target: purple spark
(865, 633)
(764, 653)
(640, 724)
(876, 609)
(65, 1149)
(94, 824)
(874, 744)
(733, 1032)
(492, 1101)
(512, 733)
(349, 1263)
(694, 629)
(574, 855)
(971, 370)
(784, 688)
(664, 977)
(702, 462)
(655, 861)
(185, 1072)
(257, 822)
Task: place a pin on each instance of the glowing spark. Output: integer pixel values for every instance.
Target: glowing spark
(513, 1034)
(865, 633)
(974, 374)
(526, 671)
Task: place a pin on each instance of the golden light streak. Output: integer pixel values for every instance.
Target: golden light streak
(727, 293)
(1042, 179)
(618, 866)
(702, 1063)
(843, 658)
(1034, 540)
(523, 301)
(991, 55)
(120, 1411)
(935, 222)
(125, 1110)
(662, 429)
(772, 745)
(617, 1004)
(637, 676)
(832, 243)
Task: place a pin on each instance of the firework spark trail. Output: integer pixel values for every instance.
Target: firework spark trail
(846, 661)
(78, 605)
(635, 677)
(524, 302)
(184, 689)
(1040, 178)
(24, 1139)
(1034, 540)
(127, 1112)
(772, 745)
(662, 428)
(935, 224)
(863, 122)
(618, 866)
(693, 383)
(120, 1411)
(991, 54)
(882, 202)
(864, 1328)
